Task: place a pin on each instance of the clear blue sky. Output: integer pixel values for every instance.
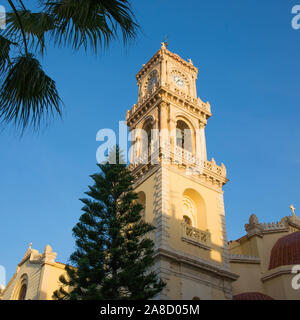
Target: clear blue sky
(248, 58)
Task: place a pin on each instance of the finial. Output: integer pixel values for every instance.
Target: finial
(30, 245)
(293, 210)
(190, 61)
(164, 44)
(253, 219)
(48, 249)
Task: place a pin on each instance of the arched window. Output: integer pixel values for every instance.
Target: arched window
(142, 200)
(193, 206)
(184, 136)
(146, 138)
(22, 293)
(189, 211)
(21, 287)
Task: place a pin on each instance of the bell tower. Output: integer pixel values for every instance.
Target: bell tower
(180, 189)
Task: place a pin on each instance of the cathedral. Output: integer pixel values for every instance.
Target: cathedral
(182, 194)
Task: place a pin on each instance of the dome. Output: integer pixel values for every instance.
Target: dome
(251, 296)
(286, 251)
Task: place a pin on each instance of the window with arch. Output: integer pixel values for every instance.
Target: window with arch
(189, 211)
(21, 288)
(147, 138)
(152, 80)
(193, 206)
(142, 200)
(183, 136)
(23, 291)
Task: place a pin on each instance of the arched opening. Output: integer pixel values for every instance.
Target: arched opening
(196, 298)
(152, 80)
(147, 138)
(193, 206)
(22, 293)
(142, 200)
(184, 136)
(20, 290)
(189, 211)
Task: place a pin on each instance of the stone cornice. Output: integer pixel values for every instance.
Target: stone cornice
(196, 107)
(273, 273)
(196, 262)
(240, 258)
(177, 58)
(208, 177)
(143, 172)
(158, 57)
(203, 179)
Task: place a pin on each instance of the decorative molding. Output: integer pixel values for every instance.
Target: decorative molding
(277, 272)
(158, 57)
(197, 107)
(197, 263)
(288, 223)
(240, 258)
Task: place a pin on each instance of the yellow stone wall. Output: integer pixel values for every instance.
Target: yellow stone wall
(250, 258)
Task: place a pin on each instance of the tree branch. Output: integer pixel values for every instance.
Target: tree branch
(20, 23)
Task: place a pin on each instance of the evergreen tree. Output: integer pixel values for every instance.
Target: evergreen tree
(114, 253)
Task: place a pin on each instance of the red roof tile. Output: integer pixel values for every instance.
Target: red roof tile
(251, 296)
(286, 251)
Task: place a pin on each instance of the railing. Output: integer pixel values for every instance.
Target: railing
(196, 236)
(180, 156)
(185, 154)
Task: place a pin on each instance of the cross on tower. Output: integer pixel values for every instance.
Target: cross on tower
(293, 209)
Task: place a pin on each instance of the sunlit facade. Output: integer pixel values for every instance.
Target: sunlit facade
(182, 194)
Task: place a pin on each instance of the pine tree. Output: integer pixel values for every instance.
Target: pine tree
(114, 253)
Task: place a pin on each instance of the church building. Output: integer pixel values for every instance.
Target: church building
(182, 194)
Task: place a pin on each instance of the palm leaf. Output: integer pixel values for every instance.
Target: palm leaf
(4, 53)
(27, 94)
(81, 23)
(35, 25)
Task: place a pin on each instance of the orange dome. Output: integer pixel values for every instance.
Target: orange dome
(251, 296)
(286, 251)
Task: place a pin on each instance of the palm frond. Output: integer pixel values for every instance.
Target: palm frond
(81, 23)
(120, 12)
(28, 95)
(35, 26)
(4, 53)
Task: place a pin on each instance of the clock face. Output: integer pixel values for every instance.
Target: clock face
(152, 81)
(178, 80)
